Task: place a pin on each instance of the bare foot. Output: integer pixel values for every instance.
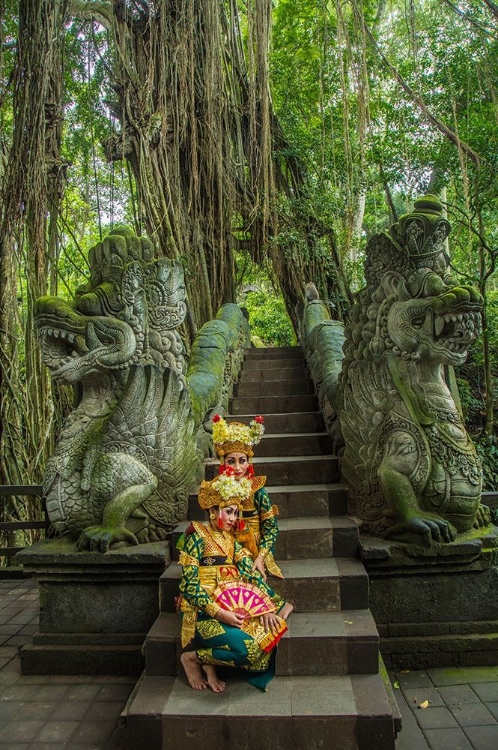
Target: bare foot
(286, 611)
(214, 682)
(193, 670)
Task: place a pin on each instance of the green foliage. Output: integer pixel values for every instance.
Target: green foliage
(487, 448)
(268, 319)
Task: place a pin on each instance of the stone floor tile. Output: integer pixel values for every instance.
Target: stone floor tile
(57, 731)
(478, 674)
(98, 679)
(71, 710)
(36, 711)
(62, 679)
(111, 692)
(17, 640)
(8, 652)
(20, 731)
(21, 619)
(447, 676)
(415, 696)
(493, 707)
(454, 695)
(9, 709)
(483, 738)
(473, 715)
(82, 692)
(90, 732)
(413, 679)
(8, 677)
(118, 679)
(446, 739)
(28, 630)
(32, 679)
(14, 746)
(18, 692)
(410, 737)
(50, 693)
(487, 691)
(4, 661)
(104, 710)
(435, 718)
(9, 629)
(117, 740)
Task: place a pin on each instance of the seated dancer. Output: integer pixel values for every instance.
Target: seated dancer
(235, 618)
(257, 529)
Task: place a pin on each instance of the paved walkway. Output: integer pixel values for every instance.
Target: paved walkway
(54, 712)
(82, 713)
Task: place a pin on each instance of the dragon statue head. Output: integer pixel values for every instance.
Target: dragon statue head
(126, 314)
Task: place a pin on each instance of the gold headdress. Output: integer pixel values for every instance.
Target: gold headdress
(236, 437)
(224, 490)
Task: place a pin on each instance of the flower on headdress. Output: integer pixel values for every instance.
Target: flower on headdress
(259, 419)
(256, 430)
(229, 488)
(236, 436)
(216, 418)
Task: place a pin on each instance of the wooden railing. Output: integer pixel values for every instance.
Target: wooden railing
(33, 490)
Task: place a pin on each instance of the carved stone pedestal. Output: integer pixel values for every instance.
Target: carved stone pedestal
(95, 609)
(435, 607)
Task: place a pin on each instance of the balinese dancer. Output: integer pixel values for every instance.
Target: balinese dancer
(257, 528)
(234, 617)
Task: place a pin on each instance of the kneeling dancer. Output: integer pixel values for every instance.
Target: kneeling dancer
(235, 618)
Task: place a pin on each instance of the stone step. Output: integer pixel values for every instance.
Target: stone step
(295, 470)
(317, 643)
(281, 387)
(295, 444)
(287, 365)
(300, 538)
(341, 712)
(295, 501)
(269, 375)
(272, 404)
(312, 585)
(301, 421)
(281, 352)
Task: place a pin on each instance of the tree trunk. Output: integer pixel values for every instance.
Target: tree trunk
(29, 195)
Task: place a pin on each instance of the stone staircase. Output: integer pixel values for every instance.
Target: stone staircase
(328, 691)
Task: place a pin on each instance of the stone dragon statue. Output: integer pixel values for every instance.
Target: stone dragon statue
(126, 458)
(412, 471)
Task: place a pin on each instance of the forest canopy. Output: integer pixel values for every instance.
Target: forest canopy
(260, 142)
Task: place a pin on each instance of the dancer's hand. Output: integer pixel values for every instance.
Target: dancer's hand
(230, 618)
(259, 565)
(270, 622)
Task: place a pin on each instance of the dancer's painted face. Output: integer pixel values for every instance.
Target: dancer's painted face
(227, 517)
(238, 462)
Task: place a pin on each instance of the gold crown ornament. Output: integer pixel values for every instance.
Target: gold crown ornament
(224, 490)
(236, 437)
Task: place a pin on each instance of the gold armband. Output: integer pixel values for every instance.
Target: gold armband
(185, 560)
(212, 609)
(271, 513)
